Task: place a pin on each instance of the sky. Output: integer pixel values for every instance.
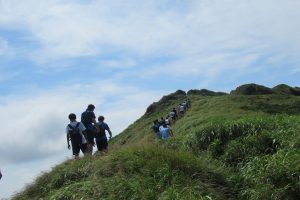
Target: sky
(58, 56)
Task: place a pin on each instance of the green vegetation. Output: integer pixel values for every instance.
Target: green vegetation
(225, 147)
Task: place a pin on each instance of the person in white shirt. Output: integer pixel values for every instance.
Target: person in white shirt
(76, 134)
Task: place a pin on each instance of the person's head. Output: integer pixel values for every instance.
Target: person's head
(72, 117)
(91, 107)
(100, 118)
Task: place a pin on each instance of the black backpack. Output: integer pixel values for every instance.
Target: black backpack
(101, 133)
(87, 117)
(74, 133)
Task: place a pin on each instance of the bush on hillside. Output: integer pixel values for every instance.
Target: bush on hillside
(275, 176)
(251, 89)
(292, 108)
(263, 152)
(285, 89)
(225, 131)
(237, 141)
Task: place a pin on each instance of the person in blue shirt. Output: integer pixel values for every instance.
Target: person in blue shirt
(101, 139)
(166, 132)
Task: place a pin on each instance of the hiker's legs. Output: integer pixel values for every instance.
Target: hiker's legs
(102, 145)
(75, 149)
(84, 149)
(158, 135)
(89, 149)
(91, 142)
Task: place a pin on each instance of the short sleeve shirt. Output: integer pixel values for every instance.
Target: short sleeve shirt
(105, 127)
(81, 129)
(165, 133)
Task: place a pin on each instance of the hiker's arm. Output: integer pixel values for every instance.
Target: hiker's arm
(68, 141)
(110, 133)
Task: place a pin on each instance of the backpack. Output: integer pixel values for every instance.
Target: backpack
(101, 133)
(74, 133)
(87, 118)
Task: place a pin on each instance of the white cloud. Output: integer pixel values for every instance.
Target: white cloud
(206, 37)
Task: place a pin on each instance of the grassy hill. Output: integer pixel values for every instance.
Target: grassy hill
(245, 145)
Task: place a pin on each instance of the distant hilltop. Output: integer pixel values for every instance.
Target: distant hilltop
(254, 89)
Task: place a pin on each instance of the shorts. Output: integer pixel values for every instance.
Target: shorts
(102, 144)
(77, 147)
(90, 136)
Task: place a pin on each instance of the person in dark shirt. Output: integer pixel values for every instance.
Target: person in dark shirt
(101, 139)
(88, 118)
(155, 128)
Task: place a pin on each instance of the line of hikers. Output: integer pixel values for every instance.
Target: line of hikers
(163, 127)
(85, 134)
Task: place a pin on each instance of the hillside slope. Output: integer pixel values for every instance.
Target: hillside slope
(225, 147)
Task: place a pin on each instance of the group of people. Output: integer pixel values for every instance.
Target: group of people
(163, 127)
(86, 133)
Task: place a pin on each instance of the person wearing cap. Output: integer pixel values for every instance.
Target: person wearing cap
(88, 118)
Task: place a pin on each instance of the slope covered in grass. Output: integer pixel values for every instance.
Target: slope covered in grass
(135, 173)
(225, 147)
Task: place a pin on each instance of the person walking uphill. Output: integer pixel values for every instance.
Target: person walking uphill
(88, 118)
(166, 132)
(155, 128)
(75, 132)
(101, 139)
